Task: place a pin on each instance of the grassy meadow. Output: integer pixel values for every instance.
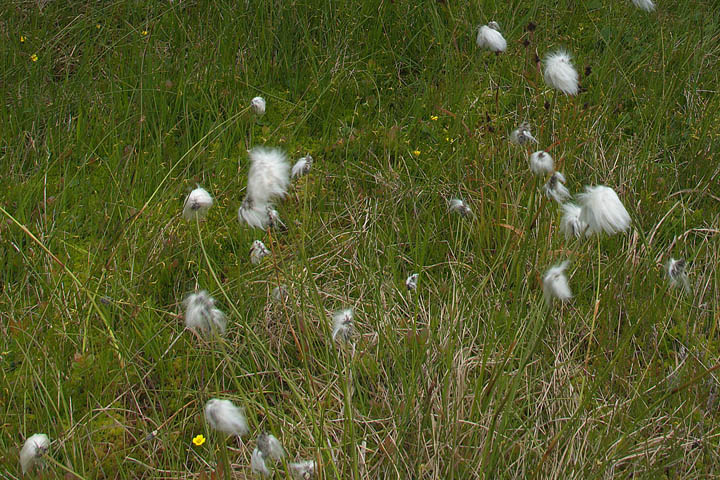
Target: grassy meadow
(113, 111)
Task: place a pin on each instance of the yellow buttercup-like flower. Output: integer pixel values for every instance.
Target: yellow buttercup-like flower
(198, 440)
(416, 152)
(33, 57)
(144, 32)
(433, 118)
(22, 39)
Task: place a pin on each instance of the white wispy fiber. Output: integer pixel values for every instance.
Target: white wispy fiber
(302, 167)
(411, 281)
(489, 37)
(33, 450)
(224, 416)
(302, 470)
(555, 188)
(459, 206)
(202, 315)
(555, 284)
(522, 135)
(603, 211)
(197, 204)
(255, 215)
(258, 251)
(280, 294)
(560, 73)
(270, 446)
(268, 177)
(257, 463)
(676, 273)
(571, 225)
(342, 325)
(274, 219)
(541, 163)
(258, 105)
(646, 5)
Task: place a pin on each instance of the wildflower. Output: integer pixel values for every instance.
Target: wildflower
(646, 5)
(541, 162)
(201, 314)
(144, 33)
(280, 294)
(225, 417)
(560, 73)
(302, 470)
(33, 450)
(489, 37)
(676, 273)
(555, 284)
(342, 325)
(522, 135)
(302, 167)
(197, 204)
(34, 57)
(571, 225)
(198, 440)
(457, 205)
(555, 188)
(97, 26)
(411, 281)
(268, 180)
(22, 39)
(257, 463)
(258, 105)
(416, 152)
(270, 446)
(603, 211)
(434, 118)
(258, 251)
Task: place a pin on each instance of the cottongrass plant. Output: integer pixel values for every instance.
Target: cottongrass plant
(268, 179)
(602, 211)
(197, 204)
(459, 206)
(258, 106)
(555, 188)
(302, 167)
(304, 470)
(571, 224)
(342, 325)
(560, 73)
(201, 315)
(646, 5)
(32, 452)
(258, 465)
(411, 282)
(555, 284)
(522, 135)
(541, 163)
(258, 251)
(225, 417)
(489, 37)
(677, 274)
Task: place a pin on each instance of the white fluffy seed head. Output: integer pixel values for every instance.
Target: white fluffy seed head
(489, 37)
(555, 284)
(258, 105)
(302, 167)
(560, 73)
(646, 5)
(342, 325)
(302, 470)
(603, 211)
(541, 163)
(257, 464)
(258, 251)
(411, 281)
(274, 220)
(571, 225)
(254, 214)
(201, 314)
(224, 416)
(459, 206)
(33, 450)
(676, 272)
(268, 177)
(522, 135)
(270, 446)
(197, 204)
(555, 188)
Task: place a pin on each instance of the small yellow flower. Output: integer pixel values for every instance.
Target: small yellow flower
(22, 39)
(433, 118)
(97, 26)
(144, 32)
(199, 440)
(416, 152)
(33, 57)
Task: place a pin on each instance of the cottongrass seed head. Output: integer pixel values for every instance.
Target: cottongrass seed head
(258, 251)
(270, 446)
(342, 325)
(257, 464)
(302, 470)
(302, 167)
(676, 272)
(258, 105)
(555, 188)
(555, 284)
(560, 73)
(522, 135)
(274, 220)
(255, 215)
(201, 314)
(268, 177)
(411, 281)
(197, 204)
(489, 36)
(224, 416)
(571, 224)
(541, 163)
(603, 211)
(280, 294)
(459, 206)
(33, 450)
(646, 5)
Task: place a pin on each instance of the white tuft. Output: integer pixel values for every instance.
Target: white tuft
(197, 204)
(411, 281)
(571, 225)
(280, 294)
(342, 325)
(459, 206)
(676, 273)
(274, 219)
(303, 470)
(646, 5)
(522, 135)
(255, 215)
(257, 464)
(258, 105)
(555, 188)
(270, 446)
(201, 314)
(268, 177)
(489, 36)
(302, 167)
(33, 450)
(555, 284)
(258, 251)
(541, 163)
(603, 211)
(560, 73)
(222, 415)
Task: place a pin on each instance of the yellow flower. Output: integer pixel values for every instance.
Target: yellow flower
(416, 152)
(33, 57)
(433, 118)
(97, 26)
(199, 440)
(144, 32)
(22, 39)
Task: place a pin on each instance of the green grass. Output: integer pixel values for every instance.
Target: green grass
(471, 376)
